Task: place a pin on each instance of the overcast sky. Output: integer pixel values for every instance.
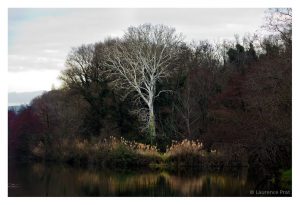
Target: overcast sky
(40, 39)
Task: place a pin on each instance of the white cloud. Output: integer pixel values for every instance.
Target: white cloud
(32, 80)
(40, 44)
(50, 51)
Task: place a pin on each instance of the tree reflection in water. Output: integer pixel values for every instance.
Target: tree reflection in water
(58, 180)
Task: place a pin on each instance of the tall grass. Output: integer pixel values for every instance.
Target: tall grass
(185, 147)
(118, 152)
(111, 151)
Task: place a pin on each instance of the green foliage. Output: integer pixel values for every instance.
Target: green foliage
(122, 156)
(286, 179)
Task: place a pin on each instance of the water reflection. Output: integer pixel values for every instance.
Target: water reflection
(58, 180)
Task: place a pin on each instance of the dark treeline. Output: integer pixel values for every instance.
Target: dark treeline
(233, 95)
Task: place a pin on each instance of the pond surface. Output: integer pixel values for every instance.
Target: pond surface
(37, 179)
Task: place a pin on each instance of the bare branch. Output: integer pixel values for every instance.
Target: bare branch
(162, 91)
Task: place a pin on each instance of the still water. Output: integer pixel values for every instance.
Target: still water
(37, 179)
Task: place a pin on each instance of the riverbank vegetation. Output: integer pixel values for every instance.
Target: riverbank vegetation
(174, 103)
(113, 152)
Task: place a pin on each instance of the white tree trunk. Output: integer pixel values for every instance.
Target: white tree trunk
(152, 131)
(151, 123)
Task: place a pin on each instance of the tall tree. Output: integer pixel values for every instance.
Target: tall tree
(84, 77)
(140, 60)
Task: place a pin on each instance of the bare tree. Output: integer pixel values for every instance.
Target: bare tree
(200, 65)
(140, 60)
(84, 77)
(79, 66)
(280, 20)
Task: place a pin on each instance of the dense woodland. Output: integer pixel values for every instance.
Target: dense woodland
(153, 88)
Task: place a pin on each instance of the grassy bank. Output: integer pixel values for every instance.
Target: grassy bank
(114, 152)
